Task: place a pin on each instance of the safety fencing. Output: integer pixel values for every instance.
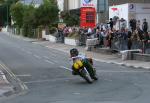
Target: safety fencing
(117, 43)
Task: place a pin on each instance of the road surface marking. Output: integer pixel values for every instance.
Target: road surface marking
(24, 75)
(23, 86)
(49, 62)
(57, 49)
(47, 58)
(76, 93)
(65, 68)
(48, 80)
(37, 56)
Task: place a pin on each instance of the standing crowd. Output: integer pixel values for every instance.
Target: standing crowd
(115, 35)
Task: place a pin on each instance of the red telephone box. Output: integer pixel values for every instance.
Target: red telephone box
(87, 17)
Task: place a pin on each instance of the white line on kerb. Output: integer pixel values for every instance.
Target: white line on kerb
(65, 68)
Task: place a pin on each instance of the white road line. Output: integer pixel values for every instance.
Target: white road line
(50, 59)
(49, 62)
(65, 68)
(57, 49)
(39, 81)
(37, 56)
(24, 75)
(49, 80)
(23, 86)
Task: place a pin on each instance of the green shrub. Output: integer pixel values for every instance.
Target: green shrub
(52, 30)
(73, 35)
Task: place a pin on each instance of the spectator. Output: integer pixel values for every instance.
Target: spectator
(123, 24)
(135, 40)
(89, 30)
(66, 31)
(138, 25)
(146, 43)
(111, 24)
(70, 30)
(109, 38)
(132, 23)
(129, 44)
(117, 24)
(145, 26)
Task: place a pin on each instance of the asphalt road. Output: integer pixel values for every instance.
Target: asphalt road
(46, 73)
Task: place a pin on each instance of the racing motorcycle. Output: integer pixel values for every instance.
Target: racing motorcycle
(81, 70)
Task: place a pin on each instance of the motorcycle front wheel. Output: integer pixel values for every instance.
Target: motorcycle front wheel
(85, 75)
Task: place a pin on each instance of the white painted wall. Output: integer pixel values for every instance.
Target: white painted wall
(52, 38)
(121, 12)
(137, 10)
(70, 41)
(73, 4)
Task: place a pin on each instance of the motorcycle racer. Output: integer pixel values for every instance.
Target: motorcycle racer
(87, 62)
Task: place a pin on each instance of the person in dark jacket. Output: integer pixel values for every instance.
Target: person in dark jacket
(111, 24)
(132, 23)
(146, 43)
(145, 26)
(129, 44)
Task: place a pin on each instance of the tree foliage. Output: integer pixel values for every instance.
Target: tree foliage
(5, 11)
(30, 17)
(70, 19)
(2, 1)
(29, 20)
(17, 13)
(47, 13)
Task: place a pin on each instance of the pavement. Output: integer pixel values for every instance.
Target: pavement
(101, 57)
(6, 87)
